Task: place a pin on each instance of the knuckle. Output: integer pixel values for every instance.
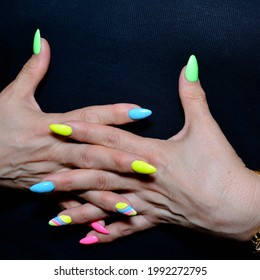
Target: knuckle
(126, 230)
(66, 181)
(89, 115)
(196, 97)
(82, 215)
(119, 161)
(111, 139)
(86, 157)
(102, 183)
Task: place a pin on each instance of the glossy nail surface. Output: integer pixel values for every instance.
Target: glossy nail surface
(192, 69)
(61, 220)
(91, 239)
(37, 44)
(99, 228)
(61, 129)
(124, 208)
(43, 187)
(143, 167)
(139, 113)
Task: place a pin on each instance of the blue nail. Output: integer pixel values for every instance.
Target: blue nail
(139, 113)
(43, 187)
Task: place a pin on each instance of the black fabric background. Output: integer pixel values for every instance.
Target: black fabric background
(132, 51)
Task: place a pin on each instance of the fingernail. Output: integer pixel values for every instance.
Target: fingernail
(139, 113)
(143, 167)
(43, 187)
(91, 239)
(192, 69)
(37, 44)
(61, 220)
(99, 228)
(61, 129)
(124, 208)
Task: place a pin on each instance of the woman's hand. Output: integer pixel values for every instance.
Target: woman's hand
(27, 148)
(200, 180)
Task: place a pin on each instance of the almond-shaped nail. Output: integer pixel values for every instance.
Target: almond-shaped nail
(37, 43)
(192, 69)
(142, 167)
(61, 129)
(91, 239)
(139, 113)
(61, 220)
(124, 208)
(43, 187)
(99, 228)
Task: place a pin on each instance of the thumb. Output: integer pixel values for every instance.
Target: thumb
(193, 97)
(34, 70)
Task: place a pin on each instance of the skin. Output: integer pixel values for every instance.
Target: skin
(200, 181)
(28, 149)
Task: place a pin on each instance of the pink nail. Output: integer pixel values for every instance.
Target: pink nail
(99, 228)
(91, 239)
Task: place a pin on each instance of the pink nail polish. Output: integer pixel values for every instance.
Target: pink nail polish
(99, 228)
(91, 239)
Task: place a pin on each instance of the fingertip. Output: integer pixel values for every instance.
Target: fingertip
(89, 239)
(139, 113)
(61, 129)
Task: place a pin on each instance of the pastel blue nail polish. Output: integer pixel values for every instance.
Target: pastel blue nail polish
(139, 113)
(43, 187)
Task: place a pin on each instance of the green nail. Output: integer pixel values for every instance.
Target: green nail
(37, 42)
(192, 69)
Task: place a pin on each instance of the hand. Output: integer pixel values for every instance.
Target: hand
(28, 150)
(200, 180)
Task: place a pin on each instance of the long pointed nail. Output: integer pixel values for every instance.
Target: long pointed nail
(61, 129)
(61, 220)
(37, 44)
(139, 113)
(124, 208)
(143, 167)
(43, 187)
(99, 228)
(192, 69)
(91, 239)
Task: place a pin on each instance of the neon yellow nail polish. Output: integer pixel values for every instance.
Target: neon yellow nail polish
(121, 205)
(192, 69)
(37, 44)
(125, 209)
(61, 129)
(61, 220)
(143, 167)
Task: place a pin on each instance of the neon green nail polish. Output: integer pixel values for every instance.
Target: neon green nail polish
(37, 42)
(143, 167)
(61, 129)
(192, 69)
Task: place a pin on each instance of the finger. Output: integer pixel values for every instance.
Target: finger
(82, 180)
(101, 204)
(33, 71)
(64, 218)
(115, 114)
(104, 135)
(99, 157)
(110, 201)
(192, 95)
(82, 214)
(117, 230)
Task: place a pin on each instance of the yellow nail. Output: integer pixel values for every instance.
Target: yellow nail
(61, 129)
(60, 221)
(143, 167)
(124, 208)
